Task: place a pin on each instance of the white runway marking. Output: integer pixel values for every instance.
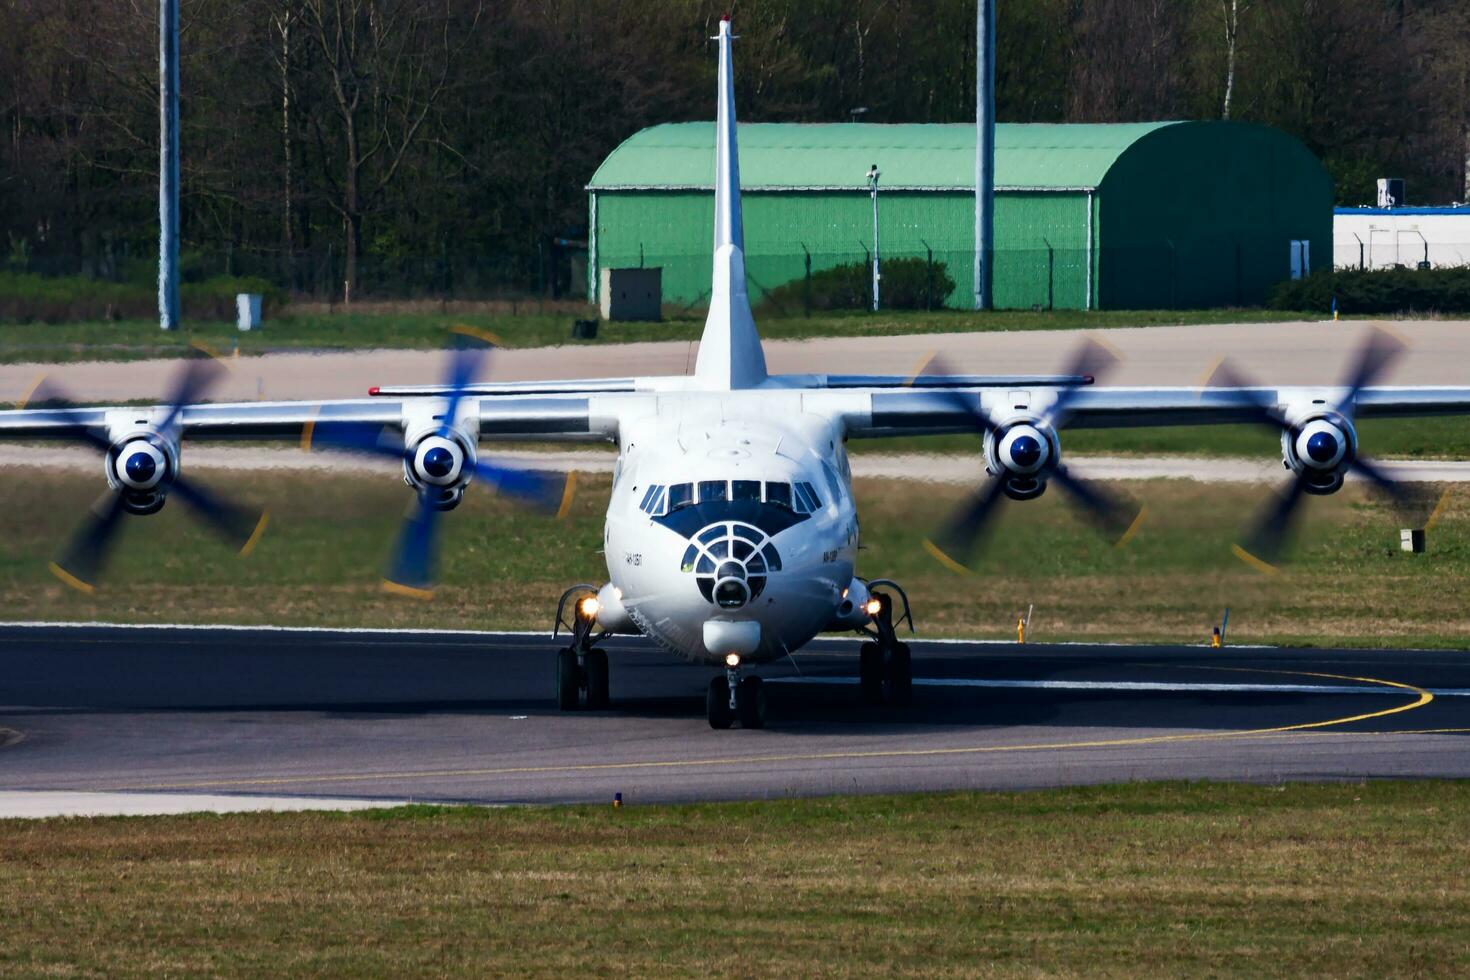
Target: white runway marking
(40, 804)
(1122, 686)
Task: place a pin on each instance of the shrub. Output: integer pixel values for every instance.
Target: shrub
(906, 285)
(29, 298)
(1444, 290)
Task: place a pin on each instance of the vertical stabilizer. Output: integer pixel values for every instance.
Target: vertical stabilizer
(730, 354)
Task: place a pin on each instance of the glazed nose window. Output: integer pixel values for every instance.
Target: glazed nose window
(730, 561)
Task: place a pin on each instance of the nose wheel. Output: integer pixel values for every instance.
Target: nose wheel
(735, 698)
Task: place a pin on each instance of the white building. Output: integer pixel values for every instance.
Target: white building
(1381, 238)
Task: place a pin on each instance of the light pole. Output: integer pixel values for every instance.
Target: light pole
(168, 164)
(873, 190)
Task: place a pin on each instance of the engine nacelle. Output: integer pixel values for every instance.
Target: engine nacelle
(142, 466)
(438, 464)
(1023, 453)
(1320, 451)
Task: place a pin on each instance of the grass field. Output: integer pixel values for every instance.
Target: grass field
(133, 339)
(319, 564)
(1141, 880)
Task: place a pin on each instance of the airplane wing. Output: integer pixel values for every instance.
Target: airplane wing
(505, 417)
(921, 411)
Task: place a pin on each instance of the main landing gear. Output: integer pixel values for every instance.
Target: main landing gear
(885, 668)
(581, 668)
(735, 698)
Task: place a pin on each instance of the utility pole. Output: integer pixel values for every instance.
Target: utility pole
(168, 164)
(873, 176)
(984, 151)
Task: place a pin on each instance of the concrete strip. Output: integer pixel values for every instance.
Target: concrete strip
(40, 804)
(1307, 353)
(926, 467)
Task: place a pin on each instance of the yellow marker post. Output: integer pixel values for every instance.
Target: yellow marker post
(1215, 640)
(1020, 629)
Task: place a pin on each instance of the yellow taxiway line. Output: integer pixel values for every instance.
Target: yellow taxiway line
(1422, 698)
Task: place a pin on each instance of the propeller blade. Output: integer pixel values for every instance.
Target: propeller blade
(1265, 544)
(240, 527)
(47, 397)
(1377, 354)
(465, 363)
(1091, 360)
(368, 438)
(411, 569)
(541, 489)
(958, 539)
(1116, 517)
(968, 405)
(1248, 395)
(193, 379)
(81, 564)
(1401, 498)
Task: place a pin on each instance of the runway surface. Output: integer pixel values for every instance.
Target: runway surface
(469, 717)
(1302, 353)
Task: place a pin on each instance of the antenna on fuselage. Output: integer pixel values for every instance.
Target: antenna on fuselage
(730, 354)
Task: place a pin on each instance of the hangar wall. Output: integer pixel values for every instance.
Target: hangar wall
(1143, 215)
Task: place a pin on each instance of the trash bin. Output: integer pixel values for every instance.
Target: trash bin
(247, 305)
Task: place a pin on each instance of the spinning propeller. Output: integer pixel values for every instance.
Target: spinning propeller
(142, 470)
(1320, 447)
(439, 461)
(1024, 454)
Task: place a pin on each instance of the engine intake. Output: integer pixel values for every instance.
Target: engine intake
(438, 466)
(1023, 453)
(1320, 452)
(141, 467)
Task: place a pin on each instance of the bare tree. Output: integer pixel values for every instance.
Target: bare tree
(386, 64)
(1230, 11)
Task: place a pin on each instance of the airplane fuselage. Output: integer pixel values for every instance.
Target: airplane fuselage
(731, 525)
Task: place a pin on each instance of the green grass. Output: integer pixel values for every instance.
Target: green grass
(320, 561)
(1126, 881)
(1428, 438)
(134, 339)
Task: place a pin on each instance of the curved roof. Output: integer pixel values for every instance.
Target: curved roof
(929, 156)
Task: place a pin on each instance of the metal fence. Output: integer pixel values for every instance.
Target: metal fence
(1154, 275)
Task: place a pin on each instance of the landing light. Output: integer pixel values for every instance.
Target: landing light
(732, 660)
(588, 607)
(872, 606)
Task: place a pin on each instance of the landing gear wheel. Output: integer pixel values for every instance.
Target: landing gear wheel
(568, 680)
(717, 704)
(597, 684)
(900, 674)
(752, 703)
(870, 673)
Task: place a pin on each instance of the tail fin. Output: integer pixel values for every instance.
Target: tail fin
(730, 354)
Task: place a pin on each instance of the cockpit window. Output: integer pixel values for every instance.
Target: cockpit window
(834, 483)
(779, 493)
(653, 501)
(807, 501)
(713, 490)
(680, 495)
(745, 490)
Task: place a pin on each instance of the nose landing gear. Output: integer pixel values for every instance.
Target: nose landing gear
(885, 668)
(733, 697)
(582, 666)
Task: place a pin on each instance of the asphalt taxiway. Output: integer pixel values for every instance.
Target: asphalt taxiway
(300, 714)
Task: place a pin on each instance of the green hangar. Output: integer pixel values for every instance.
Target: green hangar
(1116, 216)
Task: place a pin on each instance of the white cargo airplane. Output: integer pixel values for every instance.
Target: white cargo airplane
(731, 535)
